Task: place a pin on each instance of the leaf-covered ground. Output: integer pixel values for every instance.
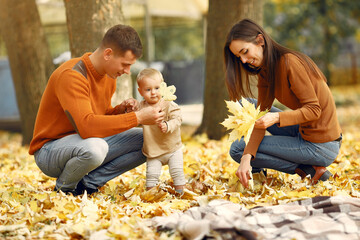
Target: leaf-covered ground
(29, 209)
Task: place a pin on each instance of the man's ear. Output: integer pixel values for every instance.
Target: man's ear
(107, 53)
(260, 39)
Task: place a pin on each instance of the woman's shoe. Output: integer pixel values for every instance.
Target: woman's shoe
(321, 174)
(316, 172)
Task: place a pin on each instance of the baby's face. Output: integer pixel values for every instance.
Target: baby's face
(149, 89)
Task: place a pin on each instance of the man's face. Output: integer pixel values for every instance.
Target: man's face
(117, 65)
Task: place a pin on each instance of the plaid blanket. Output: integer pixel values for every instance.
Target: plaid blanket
(323, 218)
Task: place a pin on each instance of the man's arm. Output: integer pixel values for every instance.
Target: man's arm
(73, 93)
(150, 115)
(128, 105)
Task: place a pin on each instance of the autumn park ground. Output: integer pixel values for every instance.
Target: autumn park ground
(30, 209)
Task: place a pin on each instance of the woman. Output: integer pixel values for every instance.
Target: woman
(304, 140)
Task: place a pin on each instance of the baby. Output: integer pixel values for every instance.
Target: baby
(162, 142)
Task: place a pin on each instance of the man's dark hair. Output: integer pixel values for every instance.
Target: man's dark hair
(122, 38)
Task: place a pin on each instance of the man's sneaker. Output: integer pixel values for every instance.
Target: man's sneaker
(74, 192)
(79, 190)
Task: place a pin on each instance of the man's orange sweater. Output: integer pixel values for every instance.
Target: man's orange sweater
(307, 94)
(77, 99)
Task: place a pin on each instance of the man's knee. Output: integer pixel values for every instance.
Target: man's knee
(95, 151)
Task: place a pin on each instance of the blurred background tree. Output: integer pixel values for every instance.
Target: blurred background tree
(325, 30)
(221, 16)
(29, 57)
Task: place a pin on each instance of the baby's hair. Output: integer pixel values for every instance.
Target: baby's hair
(149, 72)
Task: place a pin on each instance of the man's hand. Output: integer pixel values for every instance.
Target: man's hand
(150, 115)
(267, 120)
(129, 105)
(163, 126)
(243, 171)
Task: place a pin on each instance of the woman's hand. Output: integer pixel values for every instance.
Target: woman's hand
(243, 171)
(267, 120)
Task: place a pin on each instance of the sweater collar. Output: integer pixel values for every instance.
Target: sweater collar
(90, 66)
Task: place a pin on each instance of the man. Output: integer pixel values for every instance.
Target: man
(79, 138)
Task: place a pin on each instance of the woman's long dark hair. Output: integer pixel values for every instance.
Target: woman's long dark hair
(235, 70)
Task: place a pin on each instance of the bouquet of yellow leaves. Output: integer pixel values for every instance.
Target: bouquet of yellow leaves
(243, 119)
(167, 92)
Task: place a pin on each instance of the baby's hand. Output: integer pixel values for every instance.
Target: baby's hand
(163, 126)
(129, 105)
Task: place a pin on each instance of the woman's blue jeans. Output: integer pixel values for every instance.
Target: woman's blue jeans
(284, 150)
(94, 161)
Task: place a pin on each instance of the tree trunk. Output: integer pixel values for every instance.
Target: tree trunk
(29, 57)
(87, 22)
(222, 15)
(353, 68)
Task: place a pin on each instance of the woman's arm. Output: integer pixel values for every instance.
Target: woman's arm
(302, 83)
(243, 171)
(259, 133)
(267, 120)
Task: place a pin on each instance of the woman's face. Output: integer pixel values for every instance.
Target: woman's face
(248, 52)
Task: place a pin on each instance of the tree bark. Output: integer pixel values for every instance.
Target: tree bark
(222, 15)
(87, 22)
(29, 57)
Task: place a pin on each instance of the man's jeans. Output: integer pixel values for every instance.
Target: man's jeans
(286, 149)
(95, 161)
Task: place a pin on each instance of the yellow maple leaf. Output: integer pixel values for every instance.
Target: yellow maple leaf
(167, 92)
(155, 194)
(242, 120)
(251, 180)
(33, 206)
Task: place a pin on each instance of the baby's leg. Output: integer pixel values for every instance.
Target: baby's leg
(176, 168)
(153, 170)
